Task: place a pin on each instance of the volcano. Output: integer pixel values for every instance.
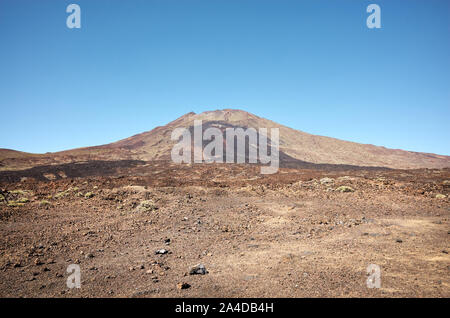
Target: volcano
(296, 147)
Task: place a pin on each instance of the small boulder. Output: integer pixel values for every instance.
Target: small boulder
(199, 269)
(183, 285)
(38, 262)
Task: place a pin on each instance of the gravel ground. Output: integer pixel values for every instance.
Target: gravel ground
(298, 233)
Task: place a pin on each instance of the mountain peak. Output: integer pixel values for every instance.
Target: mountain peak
(227, 114)
(298, 145)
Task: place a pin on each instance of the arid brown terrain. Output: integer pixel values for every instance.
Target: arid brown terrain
(300, 232)
(136, 223)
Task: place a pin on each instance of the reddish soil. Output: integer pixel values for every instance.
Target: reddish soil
(283, 235)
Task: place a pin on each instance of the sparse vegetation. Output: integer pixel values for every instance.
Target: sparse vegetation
(21, 192)
(15, 204)
(62, 194)
(89, 195)
(345, 189)
(65, 193)
(326, 181)
(146, 206)
(44, 203)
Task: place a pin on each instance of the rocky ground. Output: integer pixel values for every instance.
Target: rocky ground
(298, 233)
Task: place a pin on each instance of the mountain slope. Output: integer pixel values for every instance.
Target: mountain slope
(157, 144)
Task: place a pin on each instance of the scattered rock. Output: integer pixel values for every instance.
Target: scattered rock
(38, 262)
(49, 176)
(183, 285)
(199, 269)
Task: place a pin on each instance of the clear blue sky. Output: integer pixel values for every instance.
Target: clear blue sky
(312, 65)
